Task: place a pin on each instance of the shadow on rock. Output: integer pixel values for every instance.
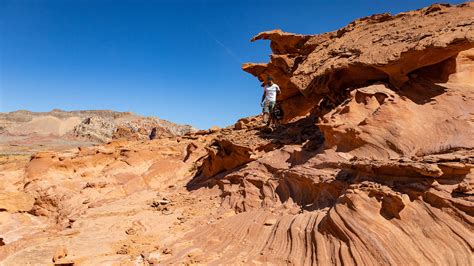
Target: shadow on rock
(303, 132)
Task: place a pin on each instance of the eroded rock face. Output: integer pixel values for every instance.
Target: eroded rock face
(137, 128)
(393, 101)
(378, 122)
(374, 165)
(95, 128)
(379, 47)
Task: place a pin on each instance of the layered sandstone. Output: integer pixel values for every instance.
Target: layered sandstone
(376, 48)
(372, 165)
(391, 98)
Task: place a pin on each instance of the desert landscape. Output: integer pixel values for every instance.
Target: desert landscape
(372, 164)
(24, 132)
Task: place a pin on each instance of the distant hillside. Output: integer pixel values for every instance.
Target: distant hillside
(25, 129)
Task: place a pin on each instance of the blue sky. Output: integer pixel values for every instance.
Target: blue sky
(178, 60)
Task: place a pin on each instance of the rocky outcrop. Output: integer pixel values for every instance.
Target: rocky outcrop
(376, 48)
(377, 122)
(134, 128)
(95, 128)
(374, 164)
(101, 130)
(390, 178)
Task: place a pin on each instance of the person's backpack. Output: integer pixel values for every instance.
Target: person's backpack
(278, 112)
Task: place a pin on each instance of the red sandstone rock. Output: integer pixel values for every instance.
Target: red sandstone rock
(60, 253)
(379, 47)
(374, 165)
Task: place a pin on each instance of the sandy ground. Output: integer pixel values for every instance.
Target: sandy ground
(28, 145)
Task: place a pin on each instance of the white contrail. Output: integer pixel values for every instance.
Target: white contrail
(228, 51)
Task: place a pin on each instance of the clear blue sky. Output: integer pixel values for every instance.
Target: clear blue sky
(178, 60)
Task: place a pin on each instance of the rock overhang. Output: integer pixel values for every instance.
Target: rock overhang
(376, 48)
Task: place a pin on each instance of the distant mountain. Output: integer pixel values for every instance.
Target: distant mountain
(22, 129)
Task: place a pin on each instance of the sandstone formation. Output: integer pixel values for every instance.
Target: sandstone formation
(376, 48)
(372, 165)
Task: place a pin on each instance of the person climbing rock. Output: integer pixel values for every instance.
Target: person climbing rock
(271, 90)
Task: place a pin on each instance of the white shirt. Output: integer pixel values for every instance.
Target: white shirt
(271, 93)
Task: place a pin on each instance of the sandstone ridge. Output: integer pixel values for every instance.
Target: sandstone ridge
(377, 48)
